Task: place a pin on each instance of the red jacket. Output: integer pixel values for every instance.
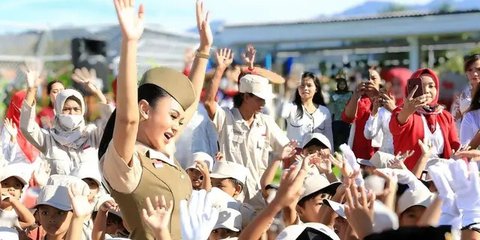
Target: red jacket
(405, 137)
(362, 147)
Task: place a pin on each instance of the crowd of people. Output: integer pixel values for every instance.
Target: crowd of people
(171, 158)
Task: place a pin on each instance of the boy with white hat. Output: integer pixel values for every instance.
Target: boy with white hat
(199, 171)
(12, 212)
(246, 135)
(230, 177)
(90, 174)
(228, 226)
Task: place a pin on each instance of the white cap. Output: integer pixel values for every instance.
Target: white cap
(8, 233)
(364, 162)
(16, 170)
(202, 156)
(336, 207)
(224, 169)
(375, 183)
(88, 171)
(419, 197)
(316, 136)
(318, 183)
(257, 85)
(311, 229)
(55, 196)
(384, 218)
(230, 219)
(66, 181)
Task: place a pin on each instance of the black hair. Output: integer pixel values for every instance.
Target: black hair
(236, 182)
(470, 60)
(317, 97)
(475, 104)
(315, 142)
(344, 81)
(73, 98)
(238, 99)
(302, 201)
(148, 92)
(50, 85)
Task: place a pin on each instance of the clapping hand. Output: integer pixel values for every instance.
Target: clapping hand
(397, 162)
(224, 58)
(33, 70)
(11, 128)
(131, 22)
(157, 215)
(249, 56)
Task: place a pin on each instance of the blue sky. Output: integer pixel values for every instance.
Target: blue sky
(172, 14)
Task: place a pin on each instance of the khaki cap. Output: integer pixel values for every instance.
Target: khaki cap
(173, 82)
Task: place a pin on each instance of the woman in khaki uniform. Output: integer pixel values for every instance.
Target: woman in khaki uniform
(136, 149)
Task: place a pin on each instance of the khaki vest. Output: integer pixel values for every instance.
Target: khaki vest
(170, 181)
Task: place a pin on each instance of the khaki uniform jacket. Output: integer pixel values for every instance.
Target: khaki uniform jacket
(151, 174)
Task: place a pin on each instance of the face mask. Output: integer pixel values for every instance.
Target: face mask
(70, 122)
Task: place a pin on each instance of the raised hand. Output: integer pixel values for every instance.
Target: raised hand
(397, 162)
(321, 161)
(108, 205)
(388, 102)
(198, 216)
(219, 156)
(472, 154)
(289, 150)
(157, 215)
(291, 184)
(224, 58)
(33, 71)
(10, 127)
(79, 198)
(203, 26)
(42, 173)
(411, 104)
(249, 56)
(131, 21)
(85, 77)
(359, 210)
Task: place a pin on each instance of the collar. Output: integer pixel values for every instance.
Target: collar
(237, 116)
(153, 154)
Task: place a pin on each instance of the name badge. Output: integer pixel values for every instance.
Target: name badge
(157, 163)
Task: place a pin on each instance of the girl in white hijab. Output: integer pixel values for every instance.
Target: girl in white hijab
(70, 143)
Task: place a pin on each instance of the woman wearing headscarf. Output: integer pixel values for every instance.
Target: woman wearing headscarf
(422, 118)
(21, 150)
(70, 142)
(136, 150)
(377, 127)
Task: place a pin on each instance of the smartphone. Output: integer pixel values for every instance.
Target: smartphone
(411, 85)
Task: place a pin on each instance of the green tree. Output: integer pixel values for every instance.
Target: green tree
(395, 7)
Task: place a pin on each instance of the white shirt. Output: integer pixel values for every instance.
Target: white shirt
(319, 121)
(436, 138)
(9, 218)
(249, 146)
(198, 136)
(378, 130)
(470, 126)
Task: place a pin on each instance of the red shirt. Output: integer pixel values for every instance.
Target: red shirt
(46, 113)
(362, 147)
(406, 136)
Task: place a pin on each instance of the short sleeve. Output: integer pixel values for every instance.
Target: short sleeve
(219, 118)
(118, 174)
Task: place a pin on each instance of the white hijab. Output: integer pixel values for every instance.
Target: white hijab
(76, 137)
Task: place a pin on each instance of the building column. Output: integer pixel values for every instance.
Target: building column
(414, 52)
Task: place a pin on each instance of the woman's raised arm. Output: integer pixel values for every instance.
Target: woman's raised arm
(127, 116)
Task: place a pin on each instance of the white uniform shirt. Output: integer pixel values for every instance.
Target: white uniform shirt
(249, 146)
(470, 126)
(319, 121)
(436, 138)
(378, 130)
